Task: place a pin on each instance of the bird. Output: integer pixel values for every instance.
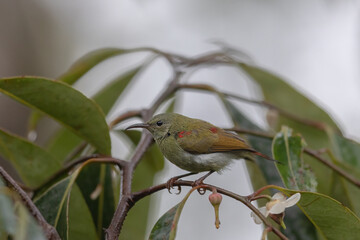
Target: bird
(195, 145)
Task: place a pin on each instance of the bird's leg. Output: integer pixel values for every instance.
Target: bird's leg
(171, 181)
(200, 180)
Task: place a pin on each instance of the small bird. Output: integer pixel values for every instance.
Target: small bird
(196, 145)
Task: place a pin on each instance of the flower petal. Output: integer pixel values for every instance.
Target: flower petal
(291, 201)
(279, 196)
(256, 218)
(277, 208)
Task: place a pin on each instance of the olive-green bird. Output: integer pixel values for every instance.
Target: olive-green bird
(195, 145)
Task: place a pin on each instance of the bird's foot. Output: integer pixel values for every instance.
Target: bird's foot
(200, 181)
(170, 183)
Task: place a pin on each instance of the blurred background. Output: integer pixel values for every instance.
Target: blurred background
(314, 45)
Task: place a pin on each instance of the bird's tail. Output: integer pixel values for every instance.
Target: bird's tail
(263, 156)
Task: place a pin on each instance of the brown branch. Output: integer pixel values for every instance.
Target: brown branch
(124, 116)
(334, 167)
(243, 199)
(50, 231)
(125, 203)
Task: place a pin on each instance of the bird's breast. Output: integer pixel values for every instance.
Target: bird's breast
(194, 162)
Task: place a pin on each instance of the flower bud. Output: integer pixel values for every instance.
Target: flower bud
(215, 199)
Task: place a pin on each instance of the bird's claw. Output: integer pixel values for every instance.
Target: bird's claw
(199, 182)
(170, 185)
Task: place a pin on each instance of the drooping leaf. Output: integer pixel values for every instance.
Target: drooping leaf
(165, 228)
(64, 207)
(332, 219)
(87, 62)
(33, 164)
(63, 103)
(279, 93)
(263, 168)
(7, 215)
(107, 96)
(288, 149)
(264, 173)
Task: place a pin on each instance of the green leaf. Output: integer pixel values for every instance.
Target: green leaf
(277, 92)
(330, 217)
(7, 216)
(87, 62)
(33, 164)
(165, 228)
(95, 184)
(348, 157)
(107, 96)
(265, 172)
(64, 207)
(288, 149)
(63, 103)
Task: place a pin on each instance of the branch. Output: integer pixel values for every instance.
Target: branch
(205, 87)
(125, 203)
(50, 231)
(244, 199)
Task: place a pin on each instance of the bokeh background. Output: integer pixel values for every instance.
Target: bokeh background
(314, 45)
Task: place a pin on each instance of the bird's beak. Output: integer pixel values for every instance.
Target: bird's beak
(138, 125)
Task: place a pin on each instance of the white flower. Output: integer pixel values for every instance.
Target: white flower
(276, 205)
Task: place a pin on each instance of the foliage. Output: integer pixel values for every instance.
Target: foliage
(80, 189)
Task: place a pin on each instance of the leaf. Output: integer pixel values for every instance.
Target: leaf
(32, 163)
(277, 92)
(330, 217)
(27, 228)
(165, 228)
(67, 211)
(348, 152)
(63, 103)
(87, 62)
(97, 178)
(264, 173)
(7, 216)
(288, 149)
(107, 96)
(261, 144)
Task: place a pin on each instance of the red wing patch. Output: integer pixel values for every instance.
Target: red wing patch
(181, 134)
(213, 130)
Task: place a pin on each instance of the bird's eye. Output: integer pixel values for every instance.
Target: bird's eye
(159, 123)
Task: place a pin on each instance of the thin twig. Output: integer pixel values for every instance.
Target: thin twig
(124, 116)
(334, 167)
(205, 87)
(50, 231)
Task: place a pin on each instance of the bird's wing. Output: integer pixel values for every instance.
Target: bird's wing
(210, 139)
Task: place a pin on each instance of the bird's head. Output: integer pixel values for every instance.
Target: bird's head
(158, 126)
